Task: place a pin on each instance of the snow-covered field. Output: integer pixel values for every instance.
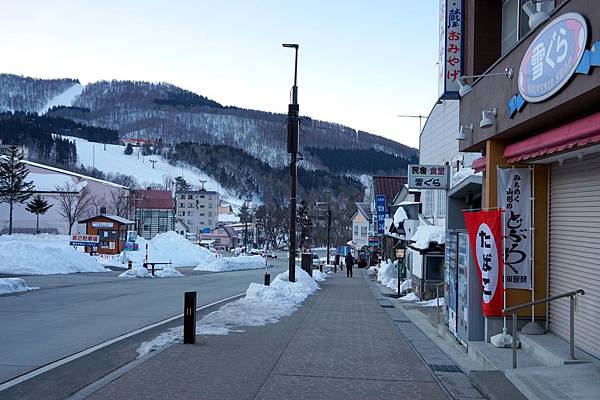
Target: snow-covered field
(114, 160)
(231, 263)
(43, 255)
(262, 305)
(170, 247)
(14, 285)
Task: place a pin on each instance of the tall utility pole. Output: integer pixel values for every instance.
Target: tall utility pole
(292, 144)
(421, 118)
(328, 203)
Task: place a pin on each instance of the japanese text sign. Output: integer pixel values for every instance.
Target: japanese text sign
(552, 57)
(450, 47)
(428, 176)
(84, 240)
(380, 206)
(514, 196)
(485, 236)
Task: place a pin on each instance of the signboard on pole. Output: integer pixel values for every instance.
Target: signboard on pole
(450, 48)
(380, 205)
(485, 236)
(428, 176)
(84, 240)
(97, 224)
(514, 196)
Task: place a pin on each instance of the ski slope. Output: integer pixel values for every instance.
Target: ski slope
(111, 158)
(66, 98)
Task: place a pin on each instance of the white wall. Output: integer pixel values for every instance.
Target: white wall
(438, 145)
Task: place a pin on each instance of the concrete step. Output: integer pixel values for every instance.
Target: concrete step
(574, 381)
(494, 358)
(495, 386)
(552, 350)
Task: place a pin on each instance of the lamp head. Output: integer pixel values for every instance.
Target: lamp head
(535, 12)
(463, 88)
(291, 45)
(464, 129)
(488, 118)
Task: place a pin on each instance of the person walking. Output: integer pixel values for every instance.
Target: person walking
(349, 261)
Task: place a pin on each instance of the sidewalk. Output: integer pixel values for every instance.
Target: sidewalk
(340, 345)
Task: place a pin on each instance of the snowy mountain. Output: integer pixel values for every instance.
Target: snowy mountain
(164, 111)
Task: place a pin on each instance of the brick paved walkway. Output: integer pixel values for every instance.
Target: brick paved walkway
(340, 345)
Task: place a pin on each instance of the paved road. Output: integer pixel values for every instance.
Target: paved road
(73, 312)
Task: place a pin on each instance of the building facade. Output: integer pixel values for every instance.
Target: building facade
(544, 117)
(154, 212)
(198, 209)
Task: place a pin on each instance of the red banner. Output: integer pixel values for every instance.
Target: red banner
(485, 236)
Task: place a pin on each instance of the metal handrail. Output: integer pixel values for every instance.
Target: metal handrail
(571, 295)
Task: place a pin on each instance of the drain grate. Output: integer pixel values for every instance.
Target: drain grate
(444, 368)
(404, 321)
(386, 306)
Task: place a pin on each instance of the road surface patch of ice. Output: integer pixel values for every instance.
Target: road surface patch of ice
(43, 255)
(231, 263)
(14, 285)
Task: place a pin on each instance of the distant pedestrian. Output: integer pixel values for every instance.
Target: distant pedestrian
(349, 260)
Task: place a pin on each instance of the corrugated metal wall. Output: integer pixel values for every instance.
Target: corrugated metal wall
(575, 248)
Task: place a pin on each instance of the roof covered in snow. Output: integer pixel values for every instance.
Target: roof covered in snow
(427, 234)
(112, 217)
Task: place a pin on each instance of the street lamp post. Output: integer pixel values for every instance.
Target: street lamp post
(328, 203)
(292, 145)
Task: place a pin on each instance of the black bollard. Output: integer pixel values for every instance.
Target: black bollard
(129, 264)
(189, 318)
(267, 279)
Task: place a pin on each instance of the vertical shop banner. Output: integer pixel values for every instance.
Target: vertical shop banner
(450, 54)
(514, 196)
(485, 236)
(380, 204)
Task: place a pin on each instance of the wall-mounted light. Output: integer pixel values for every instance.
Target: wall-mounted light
(535, 11)
(463, 131)
(464, 89)
(488, 118)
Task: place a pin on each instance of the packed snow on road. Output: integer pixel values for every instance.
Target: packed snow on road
(14, 285)
(260, 306)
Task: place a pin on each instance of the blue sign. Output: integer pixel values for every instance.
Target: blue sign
(552, 57)
(205, 230)
(343, 250)
(380, 208)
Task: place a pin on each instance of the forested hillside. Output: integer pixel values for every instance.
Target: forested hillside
(19, 93)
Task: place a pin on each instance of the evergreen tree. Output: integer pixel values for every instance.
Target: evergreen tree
(129, 149)
(14, 188)
(181, 184)
(38, 206)
(246, 217)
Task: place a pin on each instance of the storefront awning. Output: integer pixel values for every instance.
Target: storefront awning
(580, 133)
(478, 164)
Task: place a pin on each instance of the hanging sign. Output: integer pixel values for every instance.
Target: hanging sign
(485, 236)
(552, 57)
(428, 177)
(450, 48)
(380, 204)
(514, 196)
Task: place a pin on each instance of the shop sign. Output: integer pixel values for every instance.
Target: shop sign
(428, 177)
(84, 240)
(131, 246)
(552, 57)
(373, 241)
(450, 48)
(485, 236)
(97, 224)
(380, 205)
(514, 197)
(343, 250)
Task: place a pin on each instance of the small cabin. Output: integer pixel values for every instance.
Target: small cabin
(112, 231)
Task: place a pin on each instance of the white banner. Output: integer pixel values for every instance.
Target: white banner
(514, 196)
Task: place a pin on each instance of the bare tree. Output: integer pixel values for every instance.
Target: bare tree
(73, 203)
(120, 202)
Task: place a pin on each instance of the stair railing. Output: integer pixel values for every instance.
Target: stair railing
(571, 295)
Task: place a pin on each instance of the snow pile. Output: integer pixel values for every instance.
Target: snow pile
(43, 255)
(231, 263)
(136, 272)
(461, 175)
(374, 268)
(427, 234)
(431, 303)
(406, 285)
(14, 285)
(400, 216)
(410, 297)
(388, 272)
(319, 276)
(262, 305)
(168, 272)
(170, 246)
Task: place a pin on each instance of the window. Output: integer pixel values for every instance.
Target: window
(182, 205)
(190, 197)
(201, 205)
(210, 213)
(356, 230)
(202, 196)
(182, 196)
(202, 214)
(515, 21)
(181, 213)
(428, 203)
(189, 221)
(363, 231)
(190, 205)
(209, 222)
(190, 213)
(441, 203)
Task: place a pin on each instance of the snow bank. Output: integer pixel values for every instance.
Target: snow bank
(406, 285)
(261, 305)
(168, 272)
(231, 263)
(170, 246)
(426, 234)
(14, 285)
(400, 216)
(136, 272)
(43, 255)
(319, 276)
(410, 297)
(388, 272)
(431, 303)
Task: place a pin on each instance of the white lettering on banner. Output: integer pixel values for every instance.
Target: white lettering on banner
(514, 196)
(487, 256)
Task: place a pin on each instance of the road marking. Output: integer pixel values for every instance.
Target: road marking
(55, 364)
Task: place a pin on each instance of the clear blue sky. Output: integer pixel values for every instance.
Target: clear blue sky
(361, 62)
